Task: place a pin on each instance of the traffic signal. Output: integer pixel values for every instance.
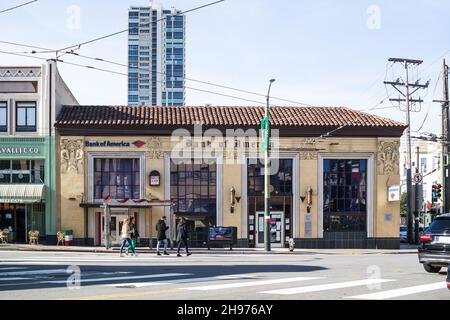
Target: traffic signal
(434, 193)
(439, 191)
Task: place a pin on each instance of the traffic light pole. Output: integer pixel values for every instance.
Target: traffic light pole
(418, 206)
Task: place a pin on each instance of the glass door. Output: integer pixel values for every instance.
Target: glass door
(115, 228)
(276, 229)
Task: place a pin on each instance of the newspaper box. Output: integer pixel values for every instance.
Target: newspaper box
(221, 236)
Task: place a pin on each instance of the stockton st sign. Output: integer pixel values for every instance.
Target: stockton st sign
(19, 150)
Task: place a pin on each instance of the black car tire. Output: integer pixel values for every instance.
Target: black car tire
(431, 269)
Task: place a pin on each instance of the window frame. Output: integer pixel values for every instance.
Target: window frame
(370, 187)
(26, 127)
(5, 106)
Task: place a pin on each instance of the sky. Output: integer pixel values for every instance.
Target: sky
(321, 52)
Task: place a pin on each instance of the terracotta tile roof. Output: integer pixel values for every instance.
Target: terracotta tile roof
(218, 116)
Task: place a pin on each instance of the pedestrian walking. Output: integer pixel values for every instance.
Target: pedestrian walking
(161, 229)
(182, 237)
(134, 236)
(126, 235)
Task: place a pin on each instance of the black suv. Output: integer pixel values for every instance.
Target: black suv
(434, 251)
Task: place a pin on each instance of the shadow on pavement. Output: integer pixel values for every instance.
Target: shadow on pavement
(60, 276)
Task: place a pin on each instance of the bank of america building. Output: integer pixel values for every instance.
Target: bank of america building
(156, 56)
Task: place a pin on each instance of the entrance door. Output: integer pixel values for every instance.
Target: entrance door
(115, 226)
(276, 229)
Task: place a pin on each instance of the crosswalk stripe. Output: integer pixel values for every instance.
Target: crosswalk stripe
(32, 272)
(13, 268)
(251, 283)
(329, 286)
(14, 279)
(162, 275)
(401, 292)
(178, 281)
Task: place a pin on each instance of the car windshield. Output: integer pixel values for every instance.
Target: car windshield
(440, 225)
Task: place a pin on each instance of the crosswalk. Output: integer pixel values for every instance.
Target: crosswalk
(297, 286)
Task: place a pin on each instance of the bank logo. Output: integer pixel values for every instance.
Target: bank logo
(139, 143)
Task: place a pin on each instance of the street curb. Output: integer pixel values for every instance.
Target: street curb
(223, 252)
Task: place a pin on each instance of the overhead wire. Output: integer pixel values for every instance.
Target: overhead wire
(18, 6)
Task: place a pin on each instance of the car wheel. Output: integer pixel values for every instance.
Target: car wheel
(431, 269)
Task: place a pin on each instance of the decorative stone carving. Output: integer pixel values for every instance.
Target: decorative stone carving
(388, 157)
(310, 145)
(72, 155)
(154, 146)
(20, 73)
(308, 155)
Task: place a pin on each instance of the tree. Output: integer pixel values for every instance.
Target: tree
(403, 208)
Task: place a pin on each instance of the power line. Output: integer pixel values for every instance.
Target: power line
(18, 6)
(429, 107)
(26, 46)
(126, 30)
(48, 50)
(124, 74)
(190, 79)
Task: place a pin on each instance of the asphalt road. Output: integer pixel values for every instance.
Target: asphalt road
(90, 276)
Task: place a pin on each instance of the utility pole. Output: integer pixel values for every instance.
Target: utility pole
(265, 126)
(418, 204)
(408, 99)
(445, 139)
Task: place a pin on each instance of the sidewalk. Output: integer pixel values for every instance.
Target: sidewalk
(404, 249)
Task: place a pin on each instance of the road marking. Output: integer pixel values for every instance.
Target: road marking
(251, 283)
(123, 295)
(401, 292)
(14, 279)
(329, 286)
(31, 272)
(15, 268)
(162, 275)
(177, 281)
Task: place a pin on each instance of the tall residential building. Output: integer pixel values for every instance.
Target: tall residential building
(156, 56)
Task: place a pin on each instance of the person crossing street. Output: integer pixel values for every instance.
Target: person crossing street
(161, 229)
(182, 237)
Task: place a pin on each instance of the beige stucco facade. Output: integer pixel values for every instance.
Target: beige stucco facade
(76, 154)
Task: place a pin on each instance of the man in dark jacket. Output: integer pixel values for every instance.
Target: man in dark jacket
(182, 237)
(134, 236)
(161, 228)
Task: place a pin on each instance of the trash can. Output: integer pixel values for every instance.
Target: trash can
(68, 237)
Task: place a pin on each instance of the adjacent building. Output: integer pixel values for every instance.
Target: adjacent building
(156, 56)
(203, 163)
(30, 99)
(429, 166)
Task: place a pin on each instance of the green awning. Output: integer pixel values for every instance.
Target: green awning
(21, 193)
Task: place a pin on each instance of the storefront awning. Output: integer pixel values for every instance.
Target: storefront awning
(21, 193)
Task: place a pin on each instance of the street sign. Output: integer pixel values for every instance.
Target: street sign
(418, 178)
(394, 193)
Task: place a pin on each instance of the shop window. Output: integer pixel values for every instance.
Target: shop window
(193, 187)
(344, 195)
(22, 171)
(117, 178)
(280, 181)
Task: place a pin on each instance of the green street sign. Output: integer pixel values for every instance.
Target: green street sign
(265, 129)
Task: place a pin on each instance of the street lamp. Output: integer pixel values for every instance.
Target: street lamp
(265, 126)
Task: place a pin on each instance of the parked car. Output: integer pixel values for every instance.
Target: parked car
(434, 249)
(448, 278)
(403, 233)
